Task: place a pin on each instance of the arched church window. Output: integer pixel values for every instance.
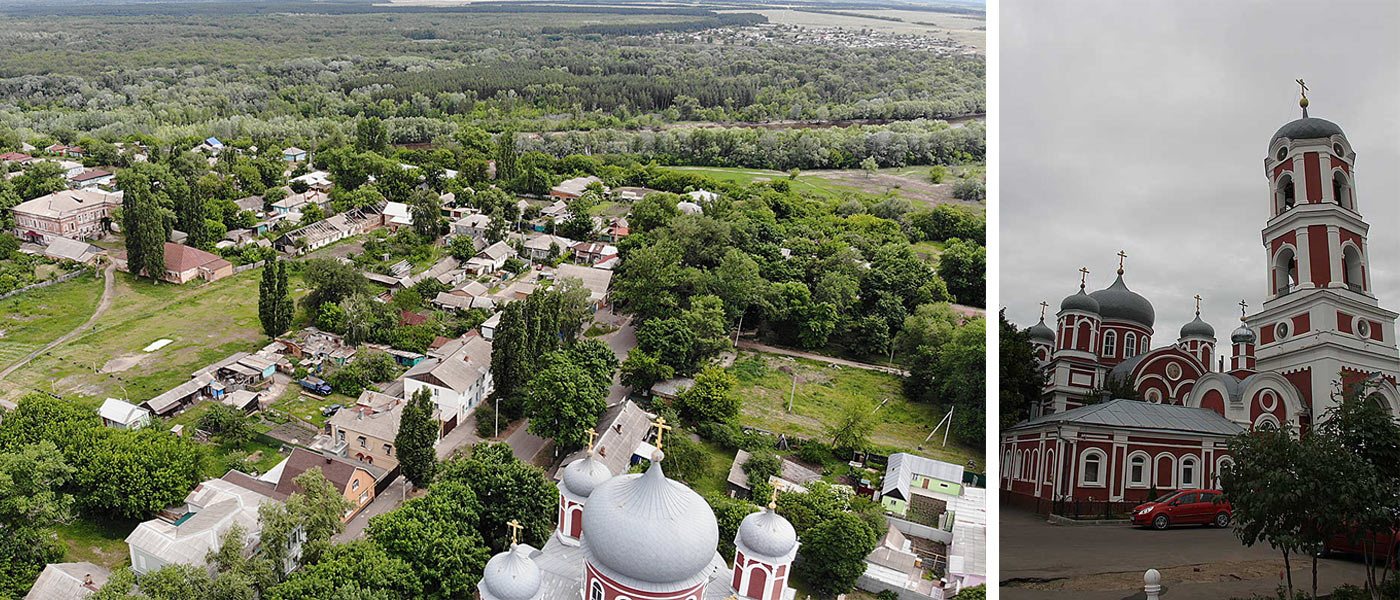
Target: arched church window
(1189, 472)
(1285, 272)
(1284, 196)
(1129, 345)
(595, 591)
(1091, 468)
(1266, 422)
(1221, 466)
(1137, 470)
(1341, 192)
(1379, 400)
(1351, 269)
(1110, 343)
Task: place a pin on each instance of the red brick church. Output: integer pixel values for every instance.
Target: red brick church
(1320, 327)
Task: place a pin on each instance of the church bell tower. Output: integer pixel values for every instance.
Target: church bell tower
(1321, 322)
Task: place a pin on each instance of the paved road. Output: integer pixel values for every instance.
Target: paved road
(621, 341)
(102, 306)
(752, 345)
(1034, 549)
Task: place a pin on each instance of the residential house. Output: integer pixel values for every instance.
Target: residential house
(61, 248)
(791, 477)
(596, 281)
(119, 414)
(689, 208)
(396, 215)
(68, 581)
(171, 401)
(65, 150)
(92, 178)
(593, 253)
(293, 154)
(458, 382)
(473, 225)
(472, 294)
(488, 327)
(624, 438)
(16, 157)
(355, 481)
(73, 214)
(702, 197)
(896, 565)
(183, 264)
(71, 168)
(517, 290)
(544, 247)
(632, 194)
(187, 535)
(570, 189)
(366, 431)
(313, 347)
(615, 230)
(210, 145)
(908, 475)
(316, 180)
(252, 204)
(327, 231)
(490, 259)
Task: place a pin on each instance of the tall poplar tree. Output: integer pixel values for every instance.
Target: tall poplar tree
(507, 158)
(267, 300)
(143, 223)
(414, 441)
(285, 308)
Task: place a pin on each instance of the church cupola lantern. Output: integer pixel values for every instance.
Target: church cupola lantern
(1078, 322)
(575, 485)
(1198, 338)
(764, 548)
(1042, 337)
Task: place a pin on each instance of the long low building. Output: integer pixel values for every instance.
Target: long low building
(184, 264)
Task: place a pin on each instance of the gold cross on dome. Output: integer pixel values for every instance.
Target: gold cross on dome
(773, 499)
(1304, 86)
(515, 528)
(592, 435)
(1122, 255)
(661, 427)
(1243, 305)
(1198, 305)
(1083, 276)
(1043, 305)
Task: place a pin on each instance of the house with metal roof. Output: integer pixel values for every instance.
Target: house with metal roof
(458, 382)
(211, 509)
(68, 581)
(907, 475)
(119, 414)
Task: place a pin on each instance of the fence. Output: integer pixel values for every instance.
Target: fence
(1075, 508)
(248, 267)
(42, 284)
(920, 530)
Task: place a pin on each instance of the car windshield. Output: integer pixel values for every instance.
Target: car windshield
(1166, 498)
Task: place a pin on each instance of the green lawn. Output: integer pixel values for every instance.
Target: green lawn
(308, 408)
(821, 392)
(717, 479)
(97, 540)
(35, 318)
(807, 184)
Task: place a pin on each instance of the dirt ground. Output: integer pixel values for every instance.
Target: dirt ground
(917, 189)
(1132, 580)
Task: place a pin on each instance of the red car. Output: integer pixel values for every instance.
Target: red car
(1184, 507)
(1381, 542)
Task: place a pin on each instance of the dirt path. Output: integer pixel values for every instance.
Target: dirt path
(102, 306)
(752, 345)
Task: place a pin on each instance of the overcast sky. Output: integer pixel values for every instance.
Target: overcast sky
(1144, 126)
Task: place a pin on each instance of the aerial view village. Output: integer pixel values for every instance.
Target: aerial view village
(509, 301)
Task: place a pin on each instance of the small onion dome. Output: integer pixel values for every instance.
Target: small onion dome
(510, 575)
(649, 528)
(584, 474)
(1081, 302)
(1119, 303)
(1197, 328)
(767, 534)
(1042, 332)
(1306, 128)
(1242, 335)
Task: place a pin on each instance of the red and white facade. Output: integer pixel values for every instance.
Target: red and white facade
(1320, 327)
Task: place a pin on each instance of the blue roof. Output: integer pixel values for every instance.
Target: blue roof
(213, 141)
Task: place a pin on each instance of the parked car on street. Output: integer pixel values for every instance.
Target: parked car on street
(1384, 544)
(1184, 507)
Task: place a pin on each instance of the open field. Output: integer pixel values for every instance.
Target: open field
(908, 182)
(35, 318)
(821, 392)
(206, 321)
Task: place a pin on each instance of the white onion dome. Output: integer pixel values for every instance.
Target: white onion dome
(582, 476)
(1242, 335)
(1117, 302)
(649, 528)
(1197, 328)
(767, 534)
(1080, 302)
(510, 575)
(1042, 332)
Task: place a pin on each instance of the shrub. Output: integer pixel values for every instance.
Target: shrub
(814, 452)
(486, 420)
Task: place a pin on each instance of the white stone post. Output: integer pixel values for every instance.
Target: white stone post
(1152, 584)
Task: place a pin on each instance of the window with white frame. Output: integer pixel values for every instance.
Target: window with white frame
(1129, 345)
(1190, 472)
(1221, 465)
(1110, 343)
(1049, 465)
(1138, 472)
(595, 591)
(1093, 465)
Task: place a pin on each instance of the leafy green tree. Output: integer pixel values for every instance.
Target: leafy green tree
(360, 566)
(268, 301)
(142, 221)
(870, 166)
(729, 512)
(711, 398)
(314, 512)
(134, 474)
(853, 424)
(651, 281)
(507, 157)
(417, 433)
(970, 189)
(23, 554)
(228, 424)
(1264, 492)
(963, 266)
(1021, 378)
(284, 308)
(331, 281)
(509, 489)
(833, 554)
(643, 369)
(563, 401)
(936, 173)
(40, 179)
(760, 466)
(653, 212)
(371, 135)
(673, 341)
(32, 481)
(426, 211)
(438, 535)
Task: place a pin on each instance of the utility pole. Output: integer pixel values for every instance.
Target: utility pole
(794, 390)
